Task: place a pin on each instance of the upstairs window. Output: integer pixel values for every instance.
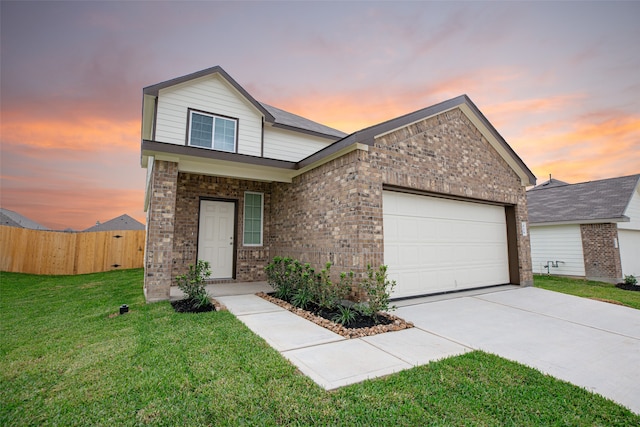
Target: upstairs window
(209, 131)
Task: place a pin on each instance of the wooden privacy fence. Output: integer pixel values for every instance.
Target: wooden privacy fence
(24, 250)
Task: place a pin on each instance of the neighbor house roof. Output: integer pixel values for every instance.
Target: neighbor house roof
(604, 200)
(121, 223)
(14, 219)
(552, 182)
(273, 115)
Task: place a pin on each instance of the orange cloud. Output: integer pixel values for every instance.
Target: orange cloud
(358, 108)
(594, 146)
(81, 134)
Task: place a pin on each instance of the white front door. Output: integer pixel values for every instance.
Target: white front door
(215, 237)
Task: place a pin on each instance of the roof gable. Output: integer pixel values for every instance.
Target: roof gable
(368, 135)
(272, 115)
(605, 200)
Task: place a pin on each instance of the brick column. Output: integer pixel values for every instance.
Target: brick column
(160, 225)
(601, 252)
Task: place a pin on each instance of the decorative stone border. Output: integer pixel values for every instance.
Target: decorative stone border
(397, 323)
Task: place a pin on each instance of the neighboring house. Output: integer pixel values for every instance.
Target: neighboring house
(590, 229)
(14, 219)
(437, 194)
(123, 222)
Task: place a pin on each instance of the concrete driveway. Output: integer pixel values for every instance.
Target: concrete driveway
(592, 344)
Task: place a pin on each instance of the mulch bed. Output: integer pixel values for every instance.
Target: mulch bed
(363, 327)
(628, 287)
(187, 306)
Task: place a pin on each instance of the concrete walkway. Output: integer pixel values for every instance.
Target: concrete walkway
(592, 344)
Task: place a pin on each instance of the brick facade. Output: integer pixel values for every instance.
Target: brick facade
(334, 211)
(160, 231)
(250, 260)
(601, 252)
(448, 155)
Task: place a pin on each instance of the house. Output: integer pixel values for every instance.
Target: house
(14, 219)
(437, 194)
(590, 229)
(122, 222)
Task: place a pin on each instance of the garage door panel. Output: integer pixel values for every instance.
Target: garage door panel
(436, 245)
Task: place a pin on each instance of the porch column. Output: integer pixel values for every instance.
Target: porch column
(160, 225)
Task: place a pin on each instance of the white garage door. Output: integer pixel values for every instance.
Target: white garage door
(436, 245)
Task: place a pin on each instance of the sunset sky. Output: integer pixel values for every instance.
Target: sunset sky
(560, 82)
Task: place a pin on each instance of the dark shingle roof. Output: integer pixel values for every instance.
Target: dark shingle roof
(14, 219)
(605, 199)
(298, 122)
(549, 184)
(121, 223)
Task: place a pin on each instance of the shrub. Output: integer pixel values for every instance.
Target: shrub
(630, 280)
(278, 273)
(327, 294)
(192, 283)
(298, 284)
(378, 288)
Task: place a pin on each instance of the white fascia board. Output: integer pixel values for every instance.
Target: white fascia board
(340, 153)
(148, 111)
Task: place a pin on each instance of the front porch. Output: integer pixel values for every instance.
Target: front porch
(226, 289)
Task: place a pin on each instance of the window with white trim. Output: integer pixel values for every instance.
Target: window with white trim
(253, 218)
(211, 131)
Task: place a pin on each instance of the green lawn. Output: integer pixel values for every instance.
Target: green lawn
(67, 360)
(588, 289)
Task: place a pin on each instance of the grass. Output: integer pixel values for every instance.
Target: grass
(67, 359)
(588, 289)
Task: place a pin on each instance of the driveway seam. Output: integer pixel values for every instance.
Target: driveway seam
(555, 317)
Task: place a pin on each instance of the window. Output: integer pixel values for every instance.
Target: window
(209, 131)
(253, 204)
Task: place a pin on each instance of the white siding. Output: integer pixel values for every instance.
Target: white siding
(633, 212)
(293, 146)
(557, 243)
(211, 94)
(629, 241)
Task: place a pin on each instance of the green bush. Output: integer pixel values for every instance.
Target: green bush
(278, 273)
(630, 280)
(328, 294)
(192, 283)
(297, 283)
(378, 288)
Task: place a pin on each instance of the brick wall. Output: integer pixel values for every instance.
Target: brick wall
(160, 228)
(447, 154)
(601, 256)
(250, 261)
(334, 212)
